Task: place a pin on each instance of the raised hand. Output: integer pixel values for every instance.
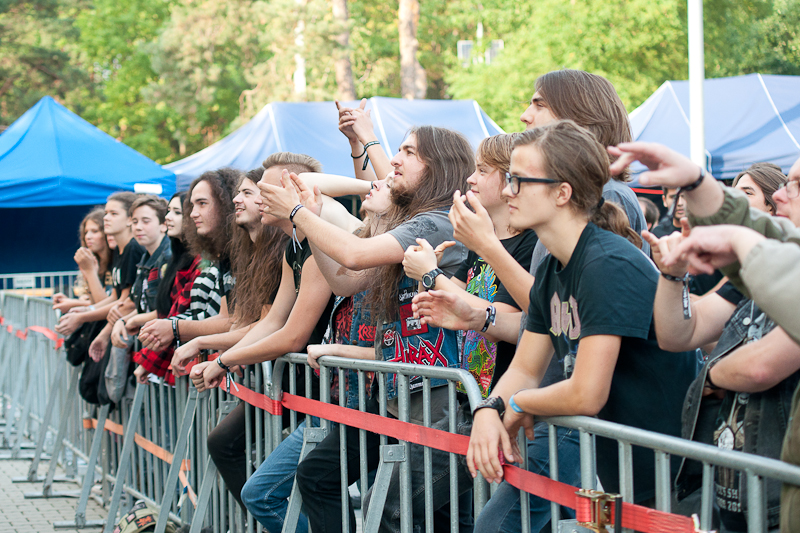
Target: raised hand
(344, 122)
(667, 167)
(419, 260)
(472, 229)
(661, 248)
(712, 247)
(86, 260)
(279, 201)
(310, 198)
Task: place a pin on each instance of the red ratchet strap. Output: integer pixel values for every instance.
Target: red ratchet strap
(633, 516)
(2, 320)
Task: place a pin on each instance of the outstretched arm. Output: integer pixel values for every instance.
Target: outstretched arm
(338, 244)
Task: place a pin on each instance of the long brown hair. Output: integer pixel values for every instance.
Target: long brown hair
(590, 101)
(223, 188)
(768, 177)
(256, 266)
(571, 154)
(104, 257)
(449, 161)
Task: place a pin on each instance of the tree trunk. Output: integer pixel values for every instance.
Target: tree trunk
(413, 81)
(299, 76)
(343, 67)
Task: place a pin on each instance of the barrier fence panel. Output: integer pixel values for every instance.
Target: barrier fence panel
(41, 284)
(152, 446)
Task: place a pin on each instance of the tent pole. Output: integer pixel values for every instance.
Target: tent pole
(696, 77)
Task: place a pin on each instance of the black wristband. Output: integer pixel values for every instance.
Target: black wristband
(696, 184)
(294, 212)
(175, 333)
(222, 365)
(673, 278)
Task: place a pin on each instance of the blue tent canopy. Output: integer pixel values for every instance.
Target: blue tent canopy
(748, 119)
(52, 157)
(311, 128)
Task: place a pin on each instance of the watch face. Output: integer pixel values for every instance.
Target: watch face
(427, 281)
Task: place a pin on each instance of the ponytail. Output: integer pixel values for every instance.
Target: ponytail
(611, 217)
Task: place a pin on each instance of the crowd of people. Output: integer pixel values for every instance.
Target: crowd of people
(529, 263)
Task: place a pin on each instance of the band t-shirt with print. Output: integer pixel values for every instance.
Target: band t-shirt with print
(123, 266)
(608, 288)
(487, 360)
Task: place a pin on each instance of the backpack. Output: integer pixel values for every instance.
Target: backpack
(141, 517)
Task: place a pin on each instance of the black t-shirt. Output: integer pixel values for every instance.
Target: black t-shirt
(486, 360)
(225, 282)
(123, 266)
(730, 293)
(608, 288)
(296, 257)
(664, 227)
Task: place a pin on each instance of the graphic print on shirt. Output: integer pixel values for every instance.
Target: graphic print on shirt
(566, 324)
(407, 340)
(730, 435)
(479, 356)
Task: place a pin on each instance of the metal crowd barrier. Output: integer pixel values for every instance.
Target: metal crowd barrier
(164, 461)
(40, 284)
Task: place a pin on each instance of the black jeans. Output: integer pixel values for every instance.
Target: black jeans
(318, 477)
(226, 446)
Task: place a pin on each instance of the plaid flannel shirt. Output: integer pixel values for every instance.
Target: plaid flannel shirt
(158, 362)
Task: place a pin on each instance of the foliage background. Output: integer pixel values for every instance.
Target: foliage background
(170, 77)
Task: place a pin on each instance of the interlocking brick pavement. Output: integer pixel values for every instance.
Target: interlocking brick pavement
(18, 515)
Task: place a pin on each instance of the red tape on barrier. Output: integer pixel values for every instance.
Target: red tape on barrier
(633, 516)
(49, 334)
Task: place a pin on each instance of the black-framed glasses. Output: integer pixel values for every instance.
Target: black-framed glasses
(513, 181)
(792, 188)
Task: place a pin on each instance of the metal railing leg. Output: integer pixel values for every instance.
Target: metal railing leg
(55, 388)
(177, 459)
(47, 488)
(10, 413)
(311, 437)
(124, 466)
(88, 478)
(209, 477)
(390, 454)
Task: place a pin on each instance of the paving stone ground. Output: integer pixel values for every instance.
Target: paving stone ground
(18, 515)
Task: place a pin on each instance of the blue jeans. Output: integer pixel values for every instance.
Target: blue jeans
(266, 493)
(503, 512)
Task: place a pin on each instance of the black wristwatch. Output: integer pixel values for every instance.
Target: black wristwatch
(429, 279)
(493, 402)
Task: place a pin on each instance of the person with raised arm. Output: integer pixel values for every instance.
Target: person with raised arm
(591, 313)
(298, 316)
(350, 333)
(431, 165)
(485, 357)
(356, 125)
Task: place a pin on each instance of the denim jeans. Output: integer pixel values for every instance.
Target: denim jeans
(503, 512)
(266, 493)
(440, 477)
(318, 476)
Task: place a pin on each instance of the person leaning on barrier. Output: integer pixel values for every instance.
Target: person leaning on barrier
(590, 310)
(205, 225)
(147, 215)
(431, 165)
(256, 253)
(298, 316)
(741, 399)
(350, 333)
(93, 259)
(760, 255)
(485, 357)
(173, 295)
